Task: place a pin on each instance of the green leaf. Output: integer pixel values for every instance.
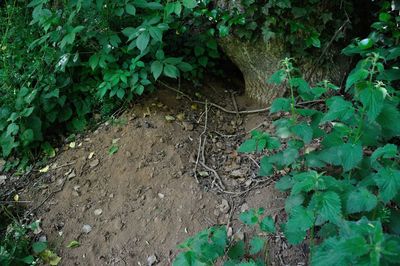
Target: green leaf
(327, 206)
(249, 145)
(143, 40)
(339, 109)
(304, 131)
(7, 143)
(12, 129)
(130, 9)
(27, 137)
(156, 69)
(347, 155)
(278, 77)
(73, 244)
(388, 181)
(39, 247)
(267, 224)
(388, 151)
(299, 222)
(27, 111)
(372, 99)
(280, 104)
(256, 245)
(285, 158)
(113, 149)
(284, 183)
(361, 200)
(156, 33)
(389, 120)
(189, 3)
(171, 71)
(265, 167)
(355, 76)
(249, 217)
(237, 250)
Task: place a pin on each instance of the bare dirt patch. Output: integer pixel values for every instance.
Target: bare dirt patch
(143, 200)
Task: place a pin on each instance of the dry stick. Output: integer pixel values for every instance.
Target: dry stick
(200, 143)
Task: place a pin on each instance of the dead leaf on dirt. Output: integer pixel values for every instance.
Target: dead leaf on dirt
(44, 169)
(169, 118)
(180, 116)
(72, 144)
(91, 155)
(16, 197)
(224, 206)
(161, 195)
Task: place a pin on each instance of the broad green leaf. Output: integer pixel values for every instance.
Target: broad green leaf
(267, 224)
(249, 145)
(372, 99)
(156, 69)
(300, 220)
(361, 200)
(249, 217)
(113, 149)
(347, 155)
(189, 3)
(265, 167)
(256, 245)
(7, 143)
(386, 152)
(237, 251)
(39, 247)
(339, 109)
(171, 71)
(278, 77)
(284, 158)
(284, 183)
(280, 104)
(156, 33)
(143, 40)
(388, 181)
(327, 206)
(27, 137)
(389, 120)
(355, 76)
(304, 131)
(130, 9)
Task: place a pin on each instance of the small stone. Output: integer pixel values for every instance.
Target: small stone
(128, 154)
(94, 163)
(3, 179)
(161, 196)
(151, 260)
(111, 196)
(86, 229)
(98, 212)
(188, 126)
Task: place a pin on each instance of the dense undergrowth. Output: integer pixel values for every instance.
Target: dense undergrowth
(64, 64)
(341, 161)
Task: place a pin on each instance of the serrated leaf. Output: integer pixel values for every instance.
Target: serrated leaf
(355, 76)
(267, 224)
(249, 145)
(237, 251)
(299, 222)
(256, 245)
(249, 217)
(347, 155)
(372, 99)
(360, 200)
(284, 183)
(339, 109)
(265, 167)
(304, 131)
(327, 206)
(388, 181)
(278, 77)
(280, 104)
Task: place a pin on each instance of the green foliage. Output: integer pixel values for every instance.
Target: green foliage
(17, 247)
(212, 244)
(353, 173)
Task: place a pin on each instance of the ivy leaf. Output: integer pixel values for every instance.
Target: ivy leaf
(156, 69)
(280, 104)
(361, 200)
(267, 224)
(388, 181)
(256, 245)
(278, 77)
(327, 205)
(143, 40)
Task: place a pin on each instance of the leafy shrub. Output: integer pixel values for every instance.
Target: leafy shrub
(342, 158)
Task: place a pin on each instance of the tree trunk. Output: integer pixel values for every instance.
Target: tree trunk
(257, 61)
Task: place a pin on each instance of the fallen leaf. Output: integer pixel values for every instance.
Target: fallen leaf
(169, 118)
(91, 155)
(72, 144)
(73, 244)
(16, 197)
(180, 116)
(44, 169)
